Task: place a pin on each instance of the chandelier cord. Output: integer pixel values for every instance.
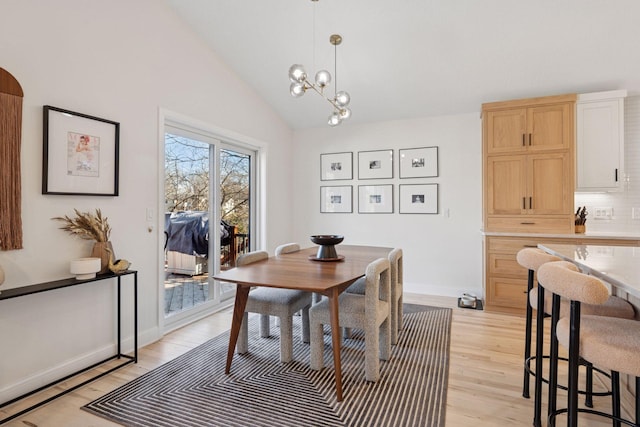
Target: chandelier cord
(335, 70)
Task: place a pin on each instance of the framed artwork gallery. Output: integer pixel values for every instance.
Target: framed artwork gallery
(336, 199)
(80, 154)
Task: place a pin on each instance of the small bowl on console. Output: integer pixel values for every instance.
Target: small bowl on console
(85, 268)
(327, 242)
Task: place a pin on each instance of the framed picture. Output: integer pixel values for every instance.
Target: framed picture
(418, 198)
(335, 166)
(375, 164)
(375, 198)
(80, 154)
(419, 162)
(336, 199)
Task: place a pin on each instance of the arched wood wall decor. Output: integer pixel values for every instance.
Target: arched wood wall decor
(10, 185)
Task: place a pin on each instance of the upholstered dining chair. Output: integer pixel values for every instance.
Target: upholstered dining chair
(282, 303)
(606, 342)
(369, 312)
(397, 280)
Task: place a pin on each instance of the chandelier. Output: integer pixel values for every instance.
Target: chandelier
(300, 84)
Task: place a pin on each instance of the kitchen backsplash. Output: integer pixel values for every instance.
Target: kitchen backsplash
(621, 202)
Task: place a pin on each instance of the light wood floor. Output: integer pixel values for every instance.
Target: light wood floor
(485, 376)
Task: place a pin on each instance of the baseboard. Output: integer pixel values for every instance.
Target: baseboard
(54, 373)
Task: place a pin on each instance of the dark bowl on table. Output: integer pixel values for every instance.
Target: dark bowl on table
(327, 239)
(327, 250)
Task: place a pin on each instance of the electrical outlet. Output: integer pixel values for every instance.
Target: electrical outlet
(603, 213)
(635, 213)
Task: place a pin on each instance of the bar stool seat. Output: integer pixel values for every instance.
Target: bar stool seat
(614, 307)
(609, 343)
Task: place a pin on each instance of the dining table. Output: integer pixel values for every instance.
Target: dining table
(302, 270)
(617, 265)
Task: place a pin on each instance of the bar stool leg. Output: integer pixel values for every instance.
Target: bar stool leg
(588, 400)
(615, 397)
(527, 335)
(553, 356)
(638, 400)
(539, 343)
(574, 364)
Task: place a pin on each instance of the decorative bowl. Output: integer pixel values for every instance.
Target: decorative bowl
(327, 239)
(327, 250)
(85, 268)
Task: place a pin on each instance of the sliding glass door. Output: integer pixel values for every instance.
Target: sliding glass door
(209, 217)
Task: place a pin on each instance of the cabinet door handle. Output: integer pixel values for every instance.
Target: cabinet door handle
(529, 139)
(524, 203)
(523, 143)
(616, 174)
(530, 203)
(530, 246)
(527, 223)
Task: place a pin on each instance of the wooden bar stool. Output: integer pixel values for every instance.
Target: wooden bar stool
(607, 342)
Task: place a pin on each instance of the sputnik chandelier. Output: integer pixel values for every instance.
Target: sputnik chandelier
(300, 84)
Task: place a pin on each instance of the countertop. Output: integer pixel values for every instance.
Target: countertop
(621, 235)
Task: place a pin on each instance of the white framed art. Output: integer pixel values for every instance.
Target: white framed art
(375, 164)
(336, 166)
(419, 162)
(336, 199)
(418, 198)
(375, 198)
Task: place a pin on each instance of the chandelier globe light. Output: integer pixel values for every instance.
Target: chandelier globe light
(300, 84)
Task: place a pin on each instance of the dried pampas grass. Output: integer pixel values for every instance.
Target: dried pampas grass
(87, 226)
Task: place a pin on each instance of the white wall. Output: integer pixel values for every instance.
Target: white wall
(124, 61)
(442, 254)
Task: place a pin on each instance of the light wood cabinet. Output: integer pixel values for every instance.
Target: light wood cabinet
(506, 280)
(600, 141)
(528, 152)
(529, 185)
(532, 129)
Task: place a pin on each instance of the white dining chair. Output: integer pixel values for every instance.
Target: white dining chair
(282, 303)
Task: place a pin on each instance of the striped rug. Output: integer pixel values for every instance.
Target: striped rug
(192, 390)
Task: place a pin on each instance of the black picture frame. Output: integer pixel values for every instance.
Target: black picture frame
(80, 154)
(418, 162)
(418, 198)
(336, 199)
(375, 199)
(377, 164)
(336, 166)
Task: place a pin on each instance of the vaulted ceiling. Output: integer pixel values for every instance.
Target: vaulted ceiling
(415, 58)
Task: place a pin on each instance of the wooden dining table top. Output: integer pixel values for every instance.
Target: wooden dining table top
(297, 271)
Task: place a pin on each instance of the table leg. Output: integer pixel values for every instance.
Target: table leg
(242, 294)
(335, 338)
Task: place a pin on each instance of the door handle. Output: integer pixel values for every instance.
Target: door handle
(616, 174)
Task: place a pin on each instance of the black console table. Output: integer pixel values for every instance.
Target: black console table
(49, 286)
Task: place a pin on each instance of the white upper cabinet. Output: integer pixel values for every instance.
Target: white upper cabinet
(600, 141)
